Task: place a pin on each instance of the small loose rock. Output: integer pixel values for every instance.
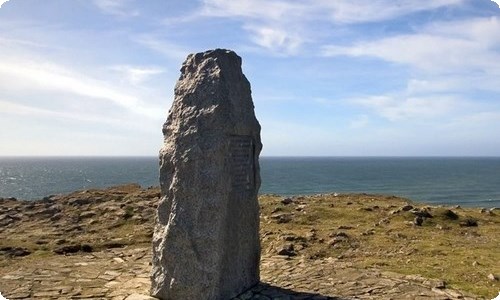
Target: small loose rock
(492, 277)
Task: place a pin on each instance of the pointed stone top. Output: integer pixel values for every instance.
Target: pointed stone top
(220, 58)
(215, 53)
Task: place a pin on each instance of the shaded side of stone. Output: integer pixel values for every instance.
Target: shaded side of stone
(206, 243)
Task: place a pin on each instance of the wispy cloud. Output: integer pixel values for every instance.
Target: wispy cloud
(258, 9)
(445, 59)
(166, 48)
(33, 75)
(10, 42)
(119, 8)
(275, 39)
(480, 119)
(137, 74)
(12, 108)
(285, 26)
(2, 2)
(400, 108)
(276, 26)
(468, 45)
(388, 71)
(361, 11)
(342, 11)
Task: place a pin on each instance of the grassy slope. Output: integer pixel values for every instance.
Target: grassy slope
(376, 237)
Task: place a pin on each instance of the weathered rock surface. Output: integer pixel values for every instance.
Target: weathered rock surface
(101, 276)
(127, 208)
(206, 239)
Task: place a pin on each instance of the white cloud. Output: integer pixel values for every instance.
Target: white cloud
(342, 11)
(285, 26)
(10, 42)
(348, 11)
(497, 2)
(162, 46)
(12, 108)
(275, 39)
(137, 75)
(401, 108)
(276, 26)
(2, 2)
(415, 50)
(484, 31)
(441, 47)
(256, 9)
(33, 75)
(457, 83)
(421, 51)
(52, 84)
(479, 119)
(445, 59)
(116, 7)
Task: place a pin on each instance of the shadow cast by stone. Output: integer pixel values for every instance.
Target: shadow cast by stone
(264, 291)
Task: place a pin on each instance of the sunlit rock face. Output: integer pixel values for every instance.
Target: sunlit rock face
(206, 238)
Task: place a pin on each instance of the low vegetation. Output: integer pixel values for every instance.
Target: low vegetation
(459, 246)
(456, 246)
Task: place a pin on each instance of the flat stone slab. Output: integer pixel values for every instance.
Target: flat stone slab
(99, 276)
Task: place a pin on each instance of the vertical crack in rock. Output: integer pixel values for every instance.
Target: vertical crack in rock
(206, 239)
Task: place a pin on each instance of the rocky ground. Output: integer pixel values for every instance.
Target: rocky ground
(94, 244)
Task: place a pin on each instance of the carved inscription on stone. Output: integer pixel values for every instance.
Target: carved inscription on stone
(241, 149)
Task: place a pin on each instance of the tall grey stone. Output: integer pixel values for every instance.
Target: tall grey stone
(206, 239)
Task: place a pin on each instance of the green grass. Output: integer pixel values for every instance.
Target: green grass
(439, 249)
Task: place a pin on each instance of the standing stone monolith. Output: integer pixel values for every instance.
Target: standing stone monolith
(206, 239)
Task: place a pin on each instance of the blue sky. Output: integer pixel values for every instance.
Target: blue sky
(329, 77)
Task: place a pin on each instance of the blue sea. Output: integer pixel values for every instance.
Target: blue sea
(436, 180)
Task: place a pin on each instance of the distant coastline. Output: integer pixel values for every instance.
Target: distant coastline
(466, 181)
(262, 156)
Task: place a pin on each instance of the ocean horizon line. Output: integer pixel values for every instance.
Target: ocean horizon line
(437, 179)
(262, 156)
